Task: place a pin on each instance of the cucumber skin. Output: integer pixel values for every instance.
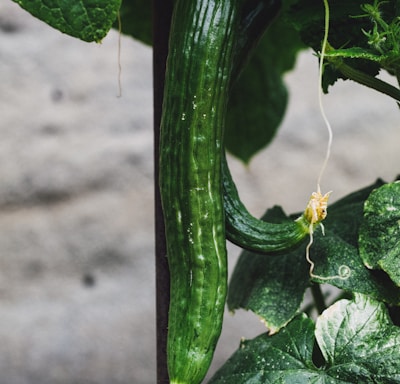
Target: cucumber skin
(198, 73)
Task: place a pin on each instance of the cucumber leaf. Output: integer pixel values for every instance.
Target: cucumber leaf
(273, 287)
(88, 20)
(357, 339)
(259, 98)
(380, 231)
(282, 358)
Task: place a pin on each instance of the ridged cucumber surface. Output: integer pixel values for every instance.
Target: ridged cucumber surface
(198, 74)
(208, 44)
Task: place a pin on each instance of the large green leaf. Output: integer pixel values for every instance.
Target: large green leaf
(282, 358)
(357, 338)
(88, 20)
(380, 232)
(258, 99)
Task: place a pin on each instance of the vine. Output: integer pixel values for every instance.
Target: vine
(317, 208)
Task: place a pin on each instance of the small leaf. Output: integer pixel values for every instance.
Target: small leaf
(380, 232)
(88, 20)
(355, 53)
(271, 286)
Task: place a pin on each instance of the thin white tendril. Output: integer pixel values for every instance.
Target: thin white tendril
(321, 106)
(312, 265)
(344, 270)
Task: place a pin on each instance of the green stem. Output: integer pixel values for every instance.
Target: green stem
(369, 81)
(361, 77)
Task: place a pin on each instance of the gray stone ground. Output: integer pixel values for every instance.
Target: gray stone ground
(76, 210)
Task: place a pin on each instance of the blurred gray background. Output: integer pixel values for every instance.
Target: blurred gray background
(76, 197)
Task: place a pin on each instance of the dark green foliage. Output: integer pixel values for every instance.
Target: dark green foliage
(357, 339)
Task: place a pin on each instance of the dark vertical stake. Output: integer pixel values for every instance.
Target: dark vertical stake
(162, 11)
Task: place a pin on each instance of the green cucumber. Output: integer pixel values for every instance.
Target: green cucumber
(198, 74)
(254, 234)
(208, 39)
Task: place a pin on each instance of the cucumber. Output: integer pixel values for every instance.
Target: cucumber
(208, 44)
(198, 74)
